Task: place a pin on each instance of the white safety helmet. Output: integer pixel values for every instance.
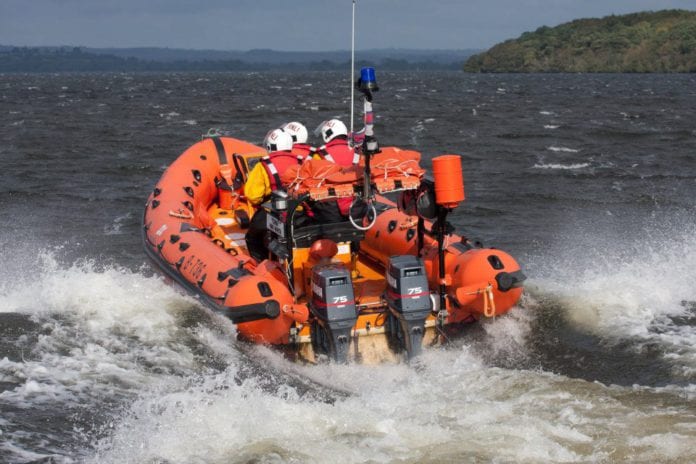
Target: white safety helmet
(331, 129)
(277, 140)
(297, 131)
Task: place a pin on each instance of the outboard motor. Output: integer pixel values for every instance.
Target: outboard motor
(408, 298)
(333, 305)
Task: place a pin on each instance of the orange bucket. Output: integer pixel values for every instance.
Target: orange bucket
(449, 180)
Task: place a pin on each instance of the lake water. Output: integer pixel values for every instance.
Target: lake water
(588, 180)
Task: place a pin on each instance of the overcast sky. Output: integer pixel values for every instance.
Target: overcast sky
(294, 24)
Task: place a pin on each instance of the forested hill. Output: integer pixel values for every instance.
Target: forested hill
(57, 59)
(662, 41)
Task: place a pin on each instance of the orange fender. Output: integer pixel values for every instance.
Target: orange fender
(470, 273)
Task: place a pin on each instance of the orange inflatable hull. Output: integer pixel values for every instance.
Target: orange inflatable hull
(199, 244)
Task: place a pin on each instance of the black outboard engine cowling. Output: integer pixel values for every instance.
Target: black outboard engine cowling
(333, 305)
(408, 297)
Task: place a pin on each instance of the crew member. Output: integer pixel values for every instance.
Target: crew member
(298, 132)
(263, 179)
(337, 150)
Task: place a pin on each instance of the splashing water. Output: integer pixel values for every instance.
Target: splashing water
(163, 381)
(632, 289)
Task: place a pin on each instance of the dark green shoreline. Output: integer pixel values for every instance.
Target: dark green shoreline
(662, 41)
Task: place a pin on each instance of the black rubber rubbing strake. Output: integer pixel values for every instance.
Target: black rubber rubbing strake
(187, 227)
(234, 273)
(222, 157)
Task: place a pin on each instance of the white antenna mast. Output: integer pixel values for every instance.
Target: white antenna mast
(352, 73)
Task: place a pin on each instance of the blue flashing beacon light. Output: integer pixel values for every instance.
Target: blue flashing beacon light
(368, 81)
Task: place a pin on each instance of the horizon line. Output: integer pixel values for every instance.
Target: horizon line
(142, 47)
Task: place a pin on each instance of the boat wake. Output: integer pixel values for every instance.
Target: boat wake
(129, 370)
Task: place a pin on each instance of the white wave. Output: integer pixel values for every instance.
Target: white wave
(561, 166)
(562, 149)
(551, 126)
(115, 227)
(112, 322)
(107, 331)
(547, 113)
(190, 122)
(633, 290)
(396, 412)
(419, 127)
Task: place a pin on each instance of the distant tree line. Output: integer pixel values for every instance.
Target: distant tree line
(29, 59)
(663, 41)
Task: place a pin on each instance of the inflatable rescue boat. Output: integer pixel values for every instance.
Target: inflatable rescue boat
(372, 288)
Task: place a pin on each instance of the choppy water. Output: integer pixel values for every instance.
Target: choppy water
(589, 180)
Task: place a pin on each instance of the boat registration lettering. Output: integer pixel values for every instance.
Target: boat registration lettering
(274, 225)
(195, 266)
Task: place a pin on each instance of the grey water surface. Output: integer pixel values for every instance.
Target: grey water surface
(588, 180)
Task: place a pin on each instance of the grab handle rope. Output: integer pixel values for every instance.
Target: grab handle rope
(372, 210)
(488, 300)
